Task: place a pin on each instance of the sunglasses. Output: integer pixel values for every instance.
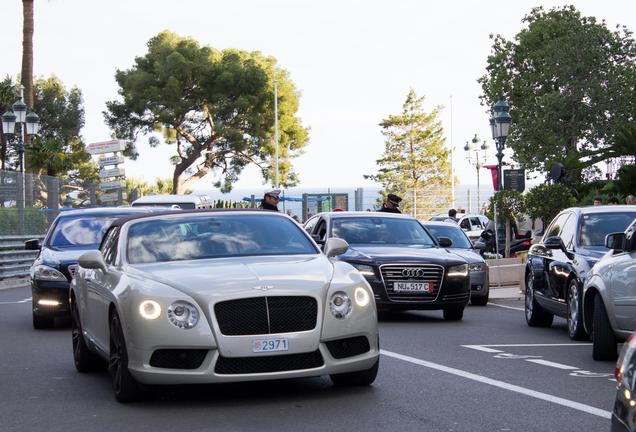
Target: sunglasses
(274, 197)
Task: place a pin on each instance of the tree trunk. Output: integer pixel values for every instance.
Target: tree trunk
(176, 175)
(27, 78)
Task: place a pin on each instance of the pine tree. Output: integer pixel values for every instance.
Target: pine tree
(415, 163)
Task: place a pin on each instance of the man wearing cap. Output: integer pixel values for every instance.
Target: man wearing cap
(270, 200)
(392, 204)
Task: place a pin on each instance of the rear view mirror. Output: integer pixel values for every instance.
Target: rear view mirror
(33, 244)
(92, 260)
(335, 246)
(615, 241)
(444, 242)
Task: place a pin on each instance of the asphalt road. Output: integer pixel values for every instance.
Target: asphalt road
(489, 372)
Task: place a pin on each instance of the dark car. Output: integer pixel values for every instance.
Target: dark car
(404, 264)
(462, 246)
(70, 235)
(558, 266)
(624, 411)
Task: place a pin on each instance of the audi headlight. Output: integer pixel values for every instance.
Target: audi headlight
(365, 270)
(46, 273)
(458, 271)
(474, 267)
(149, 309)
(361, 296)
(340, 305)
(183, 314)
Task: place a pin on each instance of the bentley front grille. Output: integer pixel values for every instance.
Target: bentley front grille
(266, 315)
(431, 275)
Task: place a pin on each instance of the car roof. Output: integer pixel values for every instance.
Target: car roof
(169, 199)
(350, 214)
(601, 209)
(105, 211)
(126, 219)
(441, 223)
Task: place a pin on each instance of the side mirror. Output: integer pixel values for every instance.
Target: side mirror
(33, 244)
(335, 246)
(444, 242)
(317, 239)
(554, 242)
(92, 260)
(615, 241)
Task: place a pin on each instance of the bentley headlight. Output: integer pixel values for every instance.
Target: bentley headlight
(361, 296)
(474, 267)
(458, 270)
(183, 314)
(46, 273)
(340, 305)
(365, 270)
(149, 309)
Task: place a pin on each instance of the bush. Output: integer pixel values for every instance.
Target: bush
(35, 221)
(546, 201)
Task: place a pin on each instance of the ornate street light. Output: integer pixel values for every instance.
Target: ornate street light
(479, 159)
(500, 127)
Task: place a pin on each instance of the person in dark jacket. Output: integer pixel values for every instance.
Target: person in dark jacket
(270, 200)
(392, 204)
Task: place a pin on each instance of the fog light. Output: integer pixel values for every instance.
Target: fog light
(44, 302)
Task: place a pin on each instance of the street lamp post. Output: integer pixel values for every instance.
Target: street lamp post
(500, 127)
(477, 162)
(29, 125)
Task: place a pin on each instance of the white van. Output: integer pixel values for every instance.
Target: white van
(185, 202)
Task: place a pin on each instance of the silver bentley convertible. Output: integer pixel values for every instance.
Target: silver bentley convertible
(220, 296)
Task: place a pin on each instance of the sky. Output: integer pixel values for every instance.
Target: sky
(353, 62)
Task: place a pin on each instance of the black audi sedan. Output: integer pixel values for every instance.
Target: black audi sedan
(70, 235)
(404, 264)
(557, 266)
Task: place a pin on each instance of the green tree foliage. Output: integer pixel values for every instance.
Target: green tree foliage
(510, 206)
(414, 158)
(571, 84)
(137, 188)
(545, 201)
(9, 93)
(625, 182)
(216, 107)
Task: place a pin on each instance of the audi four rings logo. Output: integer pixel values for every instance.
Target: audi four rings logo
(413, 272)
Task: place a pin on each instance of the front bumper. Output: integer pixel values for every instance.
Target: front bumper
(453, 292)
(479, 282)
(54, 291)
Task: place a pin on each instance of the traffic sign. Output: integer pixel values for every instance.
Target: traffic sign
(111, 185)
(115, 172)
(515, 179)
(110, 160)
(106, 147)
(112, 196)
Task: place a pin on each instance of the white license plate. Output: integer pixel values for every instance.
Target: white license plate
(424, 287)
(267, 345)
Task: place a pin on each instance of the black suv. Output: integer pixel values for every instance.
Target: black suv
(557, 266)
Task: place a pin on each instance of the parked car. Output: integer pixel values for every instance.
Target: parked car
(624, 411)
(472, 224)
(462, 246)
(558, 266)
(70, 235)
(609, 295)
(220, 296)
(406, 267)
(185, 202)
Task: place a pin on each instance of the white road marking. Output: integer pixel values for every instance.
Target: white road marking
(26, 300)
(533, 345)
(482, 348)
(506, 307)
(553, 364)
(508, 356)
(503, 385)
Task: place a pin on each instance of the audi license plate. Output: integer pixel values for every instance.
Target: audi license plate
(424, 287)
(267, 345)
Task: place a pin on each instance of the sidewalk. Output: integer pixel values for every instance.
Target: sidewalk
(506, 292)
(14, 283)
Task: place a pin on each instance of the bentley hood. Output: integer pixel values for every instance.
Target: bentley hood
(207, 279)
(379, 254)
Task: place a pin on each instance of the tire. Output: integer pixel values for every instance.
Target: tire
(576, 330)
(479, 300)
(536, 316)
(604, 343)
(359, 378)
(85, 360)
(126, 388)
(42, 322)
(455, 313)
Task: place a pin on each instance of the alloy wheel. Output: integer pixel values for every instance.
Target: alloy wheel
(573, 308)
(529, 297)
(115, 359)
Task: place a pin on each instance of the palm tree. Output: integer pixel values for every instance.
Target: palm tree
(27, 51)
